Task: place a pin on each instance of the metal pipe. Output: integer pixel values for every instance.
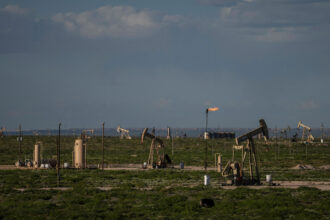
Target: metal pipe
(20, 138)
(73, 159)
(103, 146)
(220, 163)
(58, 154)
(85, 148)
(205, 162)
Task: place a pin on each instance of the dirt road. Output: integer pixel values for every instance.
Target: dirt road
(138, 167)
(281, 184)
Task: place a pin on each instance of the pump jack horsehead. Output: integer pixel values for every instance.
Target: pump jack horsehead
(156, 145)
(236, 168)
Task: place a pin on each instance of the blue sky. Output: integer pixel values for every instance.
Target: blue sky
(152, 63)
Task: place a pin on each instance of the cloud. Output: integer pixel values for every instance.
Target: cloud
(178, 20)
(302, 1)
(21, 30)
(276, 21)
(220, 3)
(115, 21)
(17, 28)
(285, 34)
(309, 105)
(162, 103)
(15, 9)
(229, 3)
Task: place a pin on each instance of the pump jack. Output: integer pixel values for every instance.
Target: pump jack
(156, 145)
(124, 133)
(235, 168)
(306, 129)
(284, 133)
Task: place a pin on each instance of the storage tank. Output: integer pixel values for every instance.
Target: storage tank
(36, 155)
(206, 135)
(168, 134)
(79, 154)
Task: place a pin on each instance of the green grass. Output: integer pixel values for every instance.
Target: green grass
(141, 179)
(190, 150)
(163, 203)
(158, 193)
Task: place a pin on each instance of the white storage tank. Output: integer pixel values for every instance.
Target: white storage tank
(66, 165)
(79, 154)
(206, 180)
(269, 178)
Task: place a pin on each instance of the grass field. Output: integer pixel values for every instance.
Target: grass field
(190, 150)
(164, 203)
(159, 194)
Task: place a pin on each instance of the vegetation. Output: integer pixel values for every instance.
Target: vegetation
(158, 193)
(127, 202)
(191, 151)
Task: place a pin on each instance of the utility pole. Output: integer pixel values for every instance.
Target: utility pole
(322, 132)
(103, 146)
(58, 154)
(20, 138)
(205, 136)
(172, 146)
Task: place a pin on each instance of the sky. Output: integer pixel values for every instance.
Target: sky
(154, 63)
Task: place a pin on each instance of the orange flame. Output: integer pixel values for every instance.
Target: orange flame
(213, 109)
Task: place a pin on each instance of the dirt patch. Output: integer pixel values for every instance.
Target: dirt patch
(45, 189)
(279, 184)
(129, 165)
(303, 167)
(139, 167)
(325, 167)
(13, 167)
(289, 185)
